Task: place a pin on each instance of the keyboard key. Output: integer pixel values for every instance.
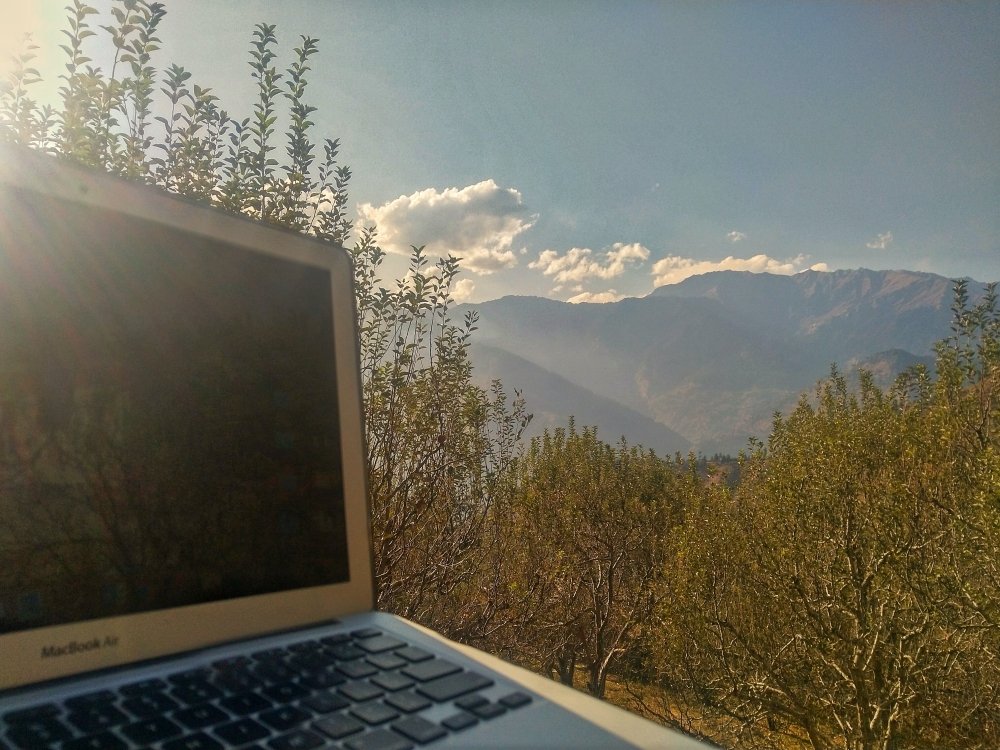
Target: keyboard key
(380, 739)
(195, 692)
(460, 721)
(29, 734)
(312, 662)
(339, 725)
(489, 710)
(419, 729)
(305, 647)
(285, 693)
(199, 717)
(408, 702)
(245, 704)
(374, 713)
(274, 672)
(100, 741)
(361, 691)
(357, 669)
(300, 739)
(150, 705)
(199, 741)
(452, 686)
(333, 640)
(238, 680)
(387, 660)
(90, 700)
(366, 633)
(412, 653)
(430, 670)
(97, 718)
(392, 681)
(321, 679)
(515, 700)
(379, 643)
(41, 711)
(150, 731)
(241, 732)
(285, 718)
(347, 652)
(471, 701)
(324, 703)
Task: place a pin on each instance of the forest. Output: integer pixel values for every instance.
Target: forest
(843, 593)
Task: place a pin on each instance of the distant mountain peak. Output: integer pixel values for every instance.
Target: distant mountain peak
(713, 356)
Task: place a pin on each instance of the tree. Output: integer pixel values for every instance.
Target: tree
(845, 594)
(590, 519)
(438, 446)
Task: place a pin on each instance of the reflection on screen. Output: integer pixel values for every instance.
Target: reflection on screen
(168, 419)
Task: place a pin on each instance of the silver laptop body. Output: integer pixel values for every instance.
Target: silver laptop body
(185, 556)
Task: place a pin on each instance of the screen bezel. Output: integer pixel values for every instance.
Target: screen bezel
(147, 635)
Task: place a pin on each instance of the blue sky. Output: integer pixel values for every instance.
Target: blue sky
(588, 151)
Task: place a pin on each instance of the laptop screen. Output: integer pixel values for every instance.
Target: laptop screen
(168, 418)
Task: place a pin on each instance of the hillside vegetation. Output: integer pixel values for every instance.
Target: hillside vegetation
(844, 594)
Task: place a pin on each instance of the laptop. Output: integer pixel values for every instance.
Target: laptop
(185, 554)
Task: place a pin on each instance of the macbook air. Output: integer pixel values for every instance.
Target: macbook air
(185, 553)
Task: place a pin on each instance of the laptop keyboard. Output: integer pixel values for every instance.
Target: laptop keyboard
(363, 690)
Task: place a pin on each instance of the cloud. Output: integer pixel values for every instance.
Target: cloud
(477, 223)
(579, 263)
(463, 290)
(735, 236)
(673, 268)
(609, 296)
(881, 242)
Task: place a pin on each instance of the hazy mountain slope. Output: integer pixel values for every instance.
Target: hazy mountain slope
(841, 314)
(622, 350)
(714, 356)
(552, 399)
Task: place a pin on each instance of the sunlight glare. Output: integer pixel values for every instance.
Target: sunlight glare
(17, 18)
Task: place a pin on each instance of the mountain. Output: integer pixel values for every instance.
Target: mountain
(553, 398)
(841, 314)
(712, 357)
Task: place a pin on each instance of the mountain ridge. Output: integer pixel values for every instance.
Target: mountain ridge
(713, 356)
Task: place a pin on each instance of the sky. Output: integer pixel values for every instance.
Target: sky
(589, 151)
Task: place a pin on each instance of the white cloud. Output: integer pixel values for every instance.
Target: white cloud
(579, 263)
(881, 242)
(463, 290)
(477, 223)
(735, 236)
(609, 296)
(673, 268)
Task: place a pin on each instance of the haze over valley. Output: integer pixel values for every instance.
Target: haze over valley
(703, 364)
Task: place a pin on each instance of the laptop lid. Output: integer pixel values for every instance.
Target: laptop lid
(181, 452)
